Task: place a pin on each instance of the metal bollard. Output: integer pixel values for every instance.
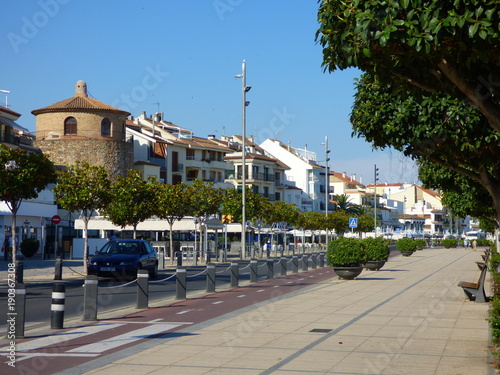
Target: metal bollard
(161, 260)
(270, 268)
(179, 258)
(142, 289)
(19, 271)
(17, 317)
(295, 264)
(180, 285)
(210, 278)
(253, 271)
(234, 274)
(58, 269)
(321, 260)
(313, 261)
(305, 262)
(90, 298)
(57, 306)
(283, 266)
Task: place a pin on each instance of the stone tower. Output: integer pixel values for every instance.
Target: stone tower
(84, 129)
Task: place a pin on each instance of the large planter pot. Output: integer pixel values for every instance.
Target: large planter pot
(406, 253)
(348, 273)
(374, 265)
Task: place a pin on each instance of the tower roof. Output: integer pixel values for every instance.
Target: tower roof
(80, 103)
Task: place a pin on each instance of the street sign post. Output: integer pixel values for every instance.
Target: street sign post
(56, 219)
(353, 222)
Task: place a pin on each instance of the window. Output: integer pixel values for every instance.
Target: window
(105, 127)
(70, 126)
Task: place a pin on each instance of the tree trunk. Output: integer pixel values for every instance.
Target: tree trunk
(13, 237)
(85, 243)
(171, 243)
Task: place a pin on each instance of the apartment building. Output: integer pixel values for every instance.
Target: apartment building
(305, 173)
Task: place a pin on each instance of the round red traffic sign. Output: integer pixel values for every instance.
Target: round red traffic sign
(56, 219)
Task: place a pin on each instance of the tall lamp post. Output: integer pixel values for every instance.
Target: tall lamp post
(375, 201)
(327, 186)
(244, 104)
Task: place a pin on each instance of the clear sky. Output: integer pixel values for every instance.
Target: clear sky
(184, 55)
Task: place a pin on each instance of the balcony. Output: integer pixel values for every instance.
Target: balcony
(177, 168)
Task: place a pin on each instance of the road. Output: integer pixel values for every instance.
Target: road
(85, 347)
(114, 295)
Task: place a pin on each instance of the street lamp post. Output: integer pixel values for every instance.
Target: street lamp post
(327, 186)
(244, 104)
(375, 201)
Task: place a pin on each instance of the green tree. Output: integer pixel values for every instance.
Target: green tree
(432, 46)
(443, 130)
(338, 221)
(462, 195)
(22, 176)
(343, 203)
(134, 200)
(365, 223)
(84, 189)
(173, 203)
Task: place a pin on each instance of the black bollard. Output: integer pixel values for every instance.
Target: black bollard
(270, 268)
(179, 258)
(17, 318)
(283, 266)
(180, 285)
(161, 260)
(295, 264)
(210, 278)
(19, 270)
(253, 271)
(57, 306)
(305, 262)
(234, 274)
(142, 289)
(313, 261)
(90, 298)
(58, 269)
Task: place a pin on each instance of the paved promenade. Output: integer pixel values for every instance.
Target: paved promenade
(408, 318)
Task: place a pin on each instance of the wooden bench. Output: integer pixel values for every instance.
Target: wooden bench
(475, 291)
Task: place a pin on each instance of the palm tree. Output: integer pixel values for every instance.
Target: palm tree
(343, 203)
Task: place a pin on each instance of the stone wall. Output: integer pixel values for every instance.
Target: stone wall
(116, 157)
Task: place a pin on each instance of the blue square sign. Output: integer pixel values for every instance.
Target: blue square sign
(353, 222)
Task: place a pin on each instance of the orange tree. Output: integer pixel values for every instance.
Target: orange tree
(84, 189)
(22, 176)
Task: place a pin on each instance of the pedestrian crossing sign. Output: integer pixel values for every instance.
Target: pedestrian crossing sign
(353, 222)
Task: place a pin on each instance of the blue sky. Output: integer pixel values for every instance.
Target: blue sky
(184, 55)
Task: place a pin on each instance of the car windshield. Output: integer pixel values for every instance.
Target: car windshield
(117, 247)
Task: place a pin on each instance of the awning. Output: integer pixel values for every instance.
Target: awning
(12, 124)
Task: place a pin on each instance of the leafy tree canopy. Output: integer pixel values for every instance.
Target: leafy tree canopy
(441, 46)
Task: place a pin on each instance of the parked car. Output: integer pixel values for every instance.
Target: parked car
(123, 259)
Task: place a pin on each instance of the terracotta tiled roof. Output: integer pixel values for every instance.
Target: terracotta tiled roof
(79, 104)
(9, 111)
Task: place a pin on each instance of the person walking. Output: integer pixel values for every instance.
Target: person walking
(6, 248)
(474, 244)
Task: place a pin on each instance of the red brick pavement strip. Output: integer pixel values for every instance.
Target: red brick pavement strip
(54, 357)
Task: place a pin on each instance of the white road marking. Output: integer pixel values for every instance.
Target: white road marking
(260, 290)
(183, 312)
(217, 302)
(62, 337)
(126, 338)
(241, 296)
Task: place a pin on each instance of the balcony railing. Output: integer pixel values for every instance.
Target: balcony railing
(177, 167)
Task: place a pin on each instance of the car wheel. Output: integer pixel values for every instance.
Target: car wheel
(154, 273)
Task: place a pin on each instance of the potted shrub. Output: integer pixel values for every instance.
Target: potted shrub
(29, 247)
(421, 243)
(406, 246)
(449, 242)
(346, 256)
(377, 252)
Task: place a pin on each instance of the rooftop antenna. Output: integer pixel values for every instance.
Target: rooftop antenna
(6, 92)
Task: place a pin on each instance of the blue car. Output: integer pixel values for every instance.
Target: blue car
(123, 259)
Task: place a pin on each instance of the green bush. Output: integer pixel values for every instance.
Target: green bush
(406, 244)
(376, 248)
(29, 247)
(421, 243)
(346, 252)
(449, 242)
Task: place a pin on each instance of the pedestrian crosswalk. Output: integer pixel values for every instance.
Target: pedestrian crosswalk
(108, 341)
